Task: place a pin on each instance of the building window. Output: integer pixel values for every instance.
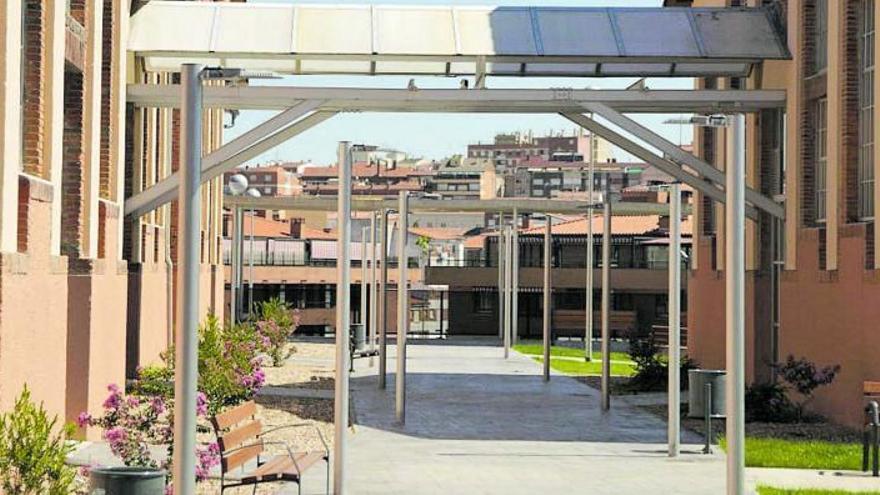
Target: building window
(484, 301)
(821, 146)
(866, 111)
(820, 37)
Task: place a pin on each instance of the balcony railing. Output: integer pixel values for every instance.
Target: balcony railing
(286, 259)
(527, 263)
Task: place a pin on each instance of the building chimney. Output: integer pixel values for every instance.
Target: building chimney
(296, 227)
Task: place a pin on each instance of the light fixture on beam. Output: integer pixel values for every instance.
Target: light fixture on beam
(714, 120)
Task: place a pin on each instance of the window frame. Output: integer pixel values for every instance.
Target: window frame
(820, 135)
(867, 63)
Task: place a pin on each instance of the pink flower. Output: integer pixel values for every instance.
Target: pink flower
(114, 400)
(201, 404)
(84, 419)
(158, 405)
(115, 435)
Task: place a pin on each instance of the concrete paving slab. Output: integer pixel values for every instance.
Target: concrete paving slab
(477, 423)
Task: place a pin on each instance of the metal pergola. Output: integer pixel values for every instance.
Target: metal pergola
(464, 42)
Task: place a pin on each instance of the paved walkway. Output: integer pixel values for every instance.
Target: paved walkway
(479, 424)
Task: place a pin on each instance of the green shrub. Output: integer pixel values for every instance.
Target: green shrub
(230, 367)
(767, 402)
(33, 450)
(650, 372)
(652, 368)
(804, 378)
(277, 323)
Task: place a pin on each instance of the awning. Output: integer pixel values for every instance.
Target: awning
(446, 40)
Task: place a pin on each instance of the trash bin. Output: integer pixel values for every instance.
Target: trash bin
(359, 336)
(127, 480)
(697, 380)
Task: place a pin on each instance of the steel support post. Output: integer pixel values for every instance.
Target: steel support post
(383, 299)
(343, 317)
(606, 297)
(402, 307)
(507, 289)
(251, 269)
(674, 310)
(735, 306)
(514, 297)
(548, 310)
(364, 273)
(239, 268)
(588, 286)
(371, 333)
(234, 264)
(186, 339)
(500, 275)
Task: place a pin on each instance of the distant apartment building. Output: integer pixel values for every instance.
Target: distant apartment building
(509, 150)
(639, 278)
(465, 178)
(371, 179)
(270, 180)
(386, 157)
(550, 179)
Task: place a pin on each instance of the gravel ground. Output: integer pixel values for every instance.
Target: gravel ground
(310, 365)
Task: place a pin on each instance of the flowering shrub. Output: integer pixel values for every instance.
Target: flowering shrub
(230, 367)
(230, 372)
(276, 326)
(132, 423)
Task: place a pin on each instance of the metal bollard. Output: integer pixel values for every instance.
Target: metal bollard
(871, 436)
(707, 415)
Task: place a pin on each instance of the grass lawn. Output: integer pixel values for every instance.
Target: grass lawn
(537, 349)
(582, 368)
(766, 490)
(801, 454)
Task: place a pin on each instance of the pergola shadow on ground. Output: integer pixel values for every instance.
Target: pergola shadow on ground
(477, 423)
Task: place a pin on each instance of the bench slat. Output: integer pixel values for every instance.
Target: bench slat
(871, 388)
(271, 470)
(239, 436)
(240, 457)
(235, 415)
(304, 461)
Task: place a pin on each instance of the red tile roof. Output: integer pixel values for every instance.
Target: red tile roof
(439, 233)
(366, 170)
(620, 225)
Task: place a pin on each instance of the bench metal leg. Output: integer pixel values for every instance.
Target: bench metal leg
(875, 446)
(866, 449)
(707, 416)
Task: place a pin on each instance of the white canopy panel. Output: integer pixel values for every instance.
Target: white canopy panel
(444, 40)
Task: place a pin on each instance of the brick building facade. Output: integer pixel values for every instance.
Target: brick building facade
(813, 284)
(74, 276)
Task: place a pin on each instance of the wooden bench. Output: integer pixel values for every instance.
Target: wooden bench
(242, 443)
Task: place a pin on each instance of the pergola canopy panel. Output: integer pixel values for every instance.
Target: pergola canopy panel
(445, 40)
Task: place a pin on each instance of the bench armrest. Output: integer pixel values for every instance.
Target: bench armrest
(300, 425)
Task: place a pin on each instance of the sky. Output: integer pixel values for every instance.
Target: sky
(435, 136)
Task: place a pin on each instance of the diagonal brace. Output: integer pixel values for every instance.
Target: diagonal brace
(677, 154)
(667, 166)
(246, 146)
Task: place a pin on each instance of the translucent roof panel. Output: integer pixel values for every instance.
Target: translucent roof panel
(445, 40)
